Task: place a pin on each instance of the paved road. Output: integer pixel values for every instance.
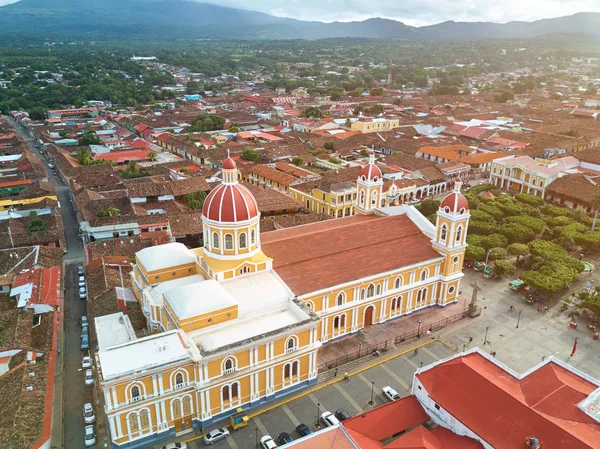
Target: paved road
(71, 392)
(352, 396)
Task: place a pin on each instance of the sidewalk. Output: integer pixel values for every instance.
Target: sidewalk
(389, 334)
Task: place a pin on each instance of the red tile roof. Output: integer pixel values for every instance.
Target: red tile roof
(542, 404)
(51, 286)
(321, 255)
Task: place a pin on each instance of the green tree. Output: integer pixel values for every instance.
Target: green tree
(376, 92)
(89, 139)
(329, 145)
(474, 253)
(503, 97)
(592, 303)
(348, 123)
(595, 204)
(515, 232)
(234, 128)
(356, 92)
(428, 207)
(537, 225)
(497, 253)
(495, 241)
(250, 154)
(297, 160)
(152, 156)
(313, 112)
(203, 123)
(377, 109)
(502, 267)
(518, 249)
(195, 200)
(36, 225)
(133, 171)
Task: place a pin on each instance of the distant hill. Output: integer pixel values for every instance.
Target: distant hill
(173, 19)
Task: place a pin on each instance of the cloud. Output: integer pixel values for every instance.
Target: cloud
(416, 12)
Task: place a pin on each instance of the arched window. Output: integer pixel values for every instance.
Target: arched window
(362, 198)
(133, 422)
(242, 239)
(398, 282)
(459, 234)
(215, 242)
(229, 365)
(252, 237)
(144, 419)
(374, 199)
(225, 393)
(393, 305)
(443, 233)
(135, 393)
(178, 380)
(378, 290)
(286, 371)
(371, 291)
(419, 295)
(310, 305)
(362, 294)
(295, 368)
(187, 405)
(228, 241)
(291, 344)
(235, 390)
(341, 299)
(424, 274)
(343, 321)
(176, 405)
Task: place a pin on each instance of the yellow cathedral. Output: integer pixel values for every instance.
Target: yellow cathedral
(239, 322)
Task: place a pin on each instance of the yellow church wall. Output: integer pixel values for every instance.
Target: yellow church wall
(207, 319)
(154, 277)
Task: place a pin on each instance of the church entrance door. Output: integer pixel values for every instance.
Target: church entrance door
(368, 319)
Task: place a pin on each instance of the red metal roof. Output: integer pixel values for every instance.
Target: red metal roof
(125, 156)
(389, 419)
(230, 204)
(15, 183)
(456, 202)
(51, 286)
(504, 410)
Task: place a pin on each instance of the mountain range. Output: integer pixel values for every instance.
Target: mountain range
(175, 19)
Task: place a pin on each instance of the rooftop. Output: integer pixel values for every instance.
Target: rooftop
(165, 256)
(113, 330)
(143, 353)
(197, 299)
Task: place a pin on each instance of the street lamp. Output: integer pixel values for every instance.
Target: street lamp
(464, 347)
(519, 319)
(487, 255)
(256, 434)
(419, 330)
(485, 338)
(372, 388)
(359, 348)
(318, 411)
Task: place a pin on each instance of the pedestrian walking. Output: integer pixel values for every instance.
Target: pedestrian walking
(335, 371)
(470, 339)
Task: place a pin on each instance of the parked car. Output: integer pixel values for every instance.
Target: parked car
(175, 446)
(86, 362)
(89, 377)
(84, 332)
(342, 414)
(84, 321)
(82, 292)
(85, 343)
(88, 413)
(90, 436)
(80, 270)
(50, 165)
(390, 393)
(328, 419)
(303, 430)
(81, 281)
(284, 438)
(267, 442)
(215, 435)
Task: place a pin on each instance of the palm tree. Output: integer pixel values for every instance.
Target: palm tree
(595, 203)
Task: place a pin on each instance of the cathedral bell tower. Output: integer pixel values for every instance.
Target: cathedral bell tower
(369, 188)
(450, 240)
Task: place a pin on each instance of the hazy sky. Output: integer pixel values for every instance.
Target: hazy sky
(416, 12)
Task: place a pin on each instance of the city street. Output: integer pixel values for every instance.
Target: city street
(352, 396)
(70, 390)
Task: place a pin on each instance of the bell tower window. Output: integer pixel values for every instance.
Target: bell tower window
(215, 240)
(228, 241)
(443, 233)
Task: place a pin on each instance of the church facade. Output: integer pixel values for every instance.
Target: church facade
(240, 321)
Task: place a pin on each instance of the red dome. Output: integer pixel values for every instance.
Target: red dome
(229, 164)
(230, 203)
(370, 172)
(455, 202)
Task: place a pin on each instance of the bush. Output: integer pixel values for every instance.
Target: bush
(297, 160)
(250, 154)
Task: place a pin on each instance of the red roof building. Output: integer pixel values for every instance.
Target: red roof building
(473, 394)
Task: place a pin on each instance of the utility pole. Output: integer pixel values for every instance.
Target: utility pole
(389, 80)
(519, 319)
(372, 388)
